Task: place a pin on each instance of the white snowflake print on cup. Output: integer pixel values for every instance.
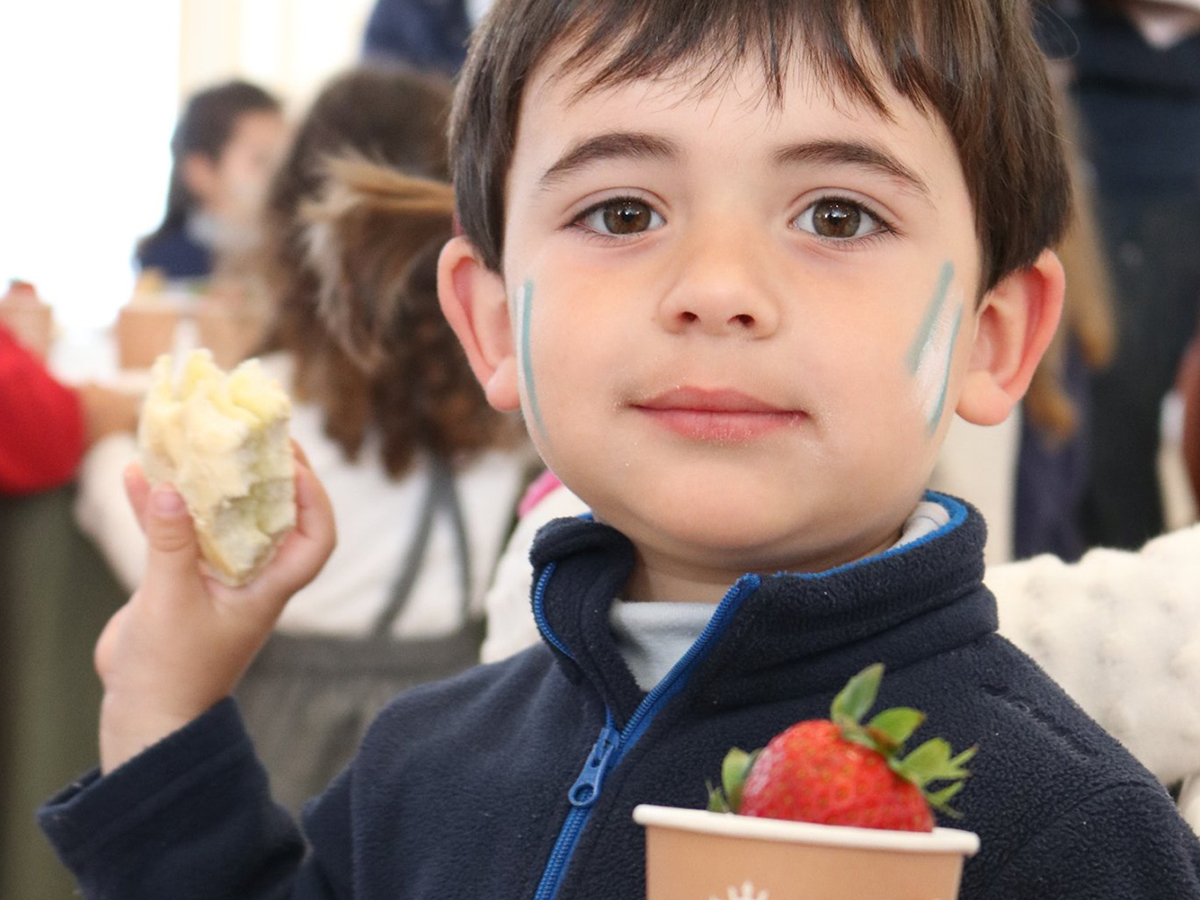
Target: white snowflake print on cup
(746, 892)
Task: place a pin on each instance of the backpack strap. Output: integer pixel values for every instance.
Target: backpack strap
(440, 495)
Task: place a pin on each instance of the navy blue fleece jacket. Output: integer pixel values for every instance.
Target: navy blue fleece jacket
(472, 788)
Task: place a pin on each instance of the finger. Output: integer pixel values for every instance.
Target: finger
(104, 654)
(301, 456)
(305, 550)
(314, 511)
(173, 552)
(137, 489)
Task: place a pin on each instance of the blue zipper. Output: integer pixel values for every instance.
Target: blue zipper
(612, 746)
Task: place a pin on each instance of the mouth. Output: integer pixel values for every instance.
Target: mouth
(720, 416)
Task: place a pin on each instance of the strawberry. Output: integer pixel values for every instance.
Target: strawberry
(841, 772)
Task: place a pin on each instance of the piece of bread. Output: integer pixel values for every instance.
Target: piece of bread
(222, 441)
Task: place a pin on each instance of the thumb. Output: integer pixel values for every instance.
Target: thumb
(173, 550)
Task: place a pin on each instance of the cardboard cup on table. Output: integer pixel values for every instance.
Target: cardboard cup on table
(694, 854)
(230, 331)
(144, 331)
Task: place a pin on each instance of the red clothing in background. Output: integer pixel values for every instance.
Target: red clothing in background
(41, 423)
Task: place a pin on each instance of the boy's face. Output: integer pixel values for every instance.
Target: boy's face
(738, 331)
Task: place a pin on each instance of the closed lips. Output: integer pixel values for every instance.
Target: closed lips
(720, 415)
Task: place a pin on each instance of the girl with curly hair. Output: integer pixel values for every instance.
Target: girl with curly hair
(423, 474)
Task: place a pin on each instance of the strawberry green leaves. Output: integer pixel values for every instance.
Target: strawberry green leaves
(734, 769)
(932, 762)
(888, 730)
(858, 696)
(798, 752)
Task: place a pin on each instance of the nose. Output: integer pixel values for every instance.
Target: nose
(721, 288)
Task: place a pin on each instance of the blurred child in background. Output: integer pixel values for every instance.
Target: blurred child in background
(224, 150)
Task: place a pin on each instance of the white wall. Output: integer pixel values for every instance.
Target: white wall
(288, 46)
(89, 92)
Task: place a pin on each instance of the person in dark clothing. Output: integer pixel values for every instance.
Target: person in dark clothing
(425, 34)
(737, 265)
(1135, 79)
(1053, 454)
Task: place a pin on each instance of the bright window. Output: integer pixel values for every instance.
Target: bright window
(89, 94)
(88, 97)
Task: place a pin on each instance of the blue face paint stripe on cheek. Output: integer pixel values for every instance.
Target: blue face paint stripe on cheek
(917, 348)
(936, 416)
(526, 308)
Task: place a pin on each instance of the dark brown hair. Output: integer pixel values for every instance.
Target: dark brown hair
(351, 255)
(974, 63)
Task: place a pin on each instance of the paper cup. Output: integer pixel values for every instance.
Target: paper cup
(693, 854)
(229, 332)
(143, 332)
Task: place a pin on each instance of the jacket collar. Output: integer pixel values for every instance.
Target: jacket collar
(781, 634)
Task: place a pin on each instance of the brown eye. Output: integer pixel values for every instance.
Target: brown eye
(624, 216)
(627, 217)
(836, 219)
(840, 219)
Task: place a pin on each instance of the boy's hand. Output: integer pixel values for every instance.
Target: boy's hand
(184, 639)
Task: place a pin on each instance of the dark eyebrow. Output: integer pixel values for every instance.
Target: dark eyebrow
(610, 145)
(852, 153)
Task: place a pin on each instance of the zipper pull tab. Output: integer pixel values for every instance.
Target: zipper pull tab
(586, 788)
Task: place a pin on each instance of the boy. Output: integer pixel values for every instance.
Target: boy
(737, 264)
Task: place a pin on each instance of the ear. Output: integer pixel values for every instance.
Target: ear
(200, 176)
(1015, 323)
(475, 304)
